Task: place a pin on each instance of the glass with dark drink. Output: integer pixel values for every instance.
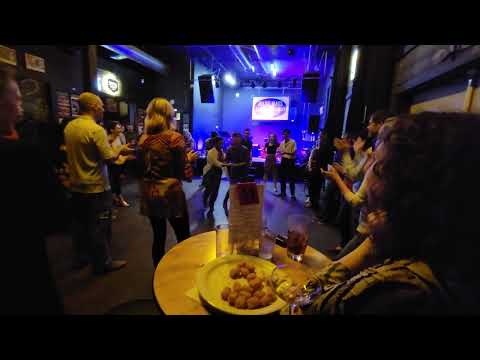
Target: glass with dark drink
(297, 236)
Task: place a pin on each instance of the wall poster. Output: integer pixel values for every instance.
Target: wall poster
(8, 56)
(63, 105)
(35, 98)
(74, 105)
(35, 63)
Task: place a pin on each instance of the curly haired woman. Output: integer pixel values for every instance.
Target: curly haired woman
(421, 256)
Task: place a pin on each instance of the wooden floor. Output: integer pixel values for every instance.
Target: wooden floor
(132, 239)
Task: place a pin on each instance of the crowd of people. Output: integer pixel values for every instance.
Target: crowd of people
(238, 158)
(402, 187)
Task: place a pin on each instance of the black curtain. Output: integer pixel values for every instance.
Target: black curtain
(336, 109)
(372, 87)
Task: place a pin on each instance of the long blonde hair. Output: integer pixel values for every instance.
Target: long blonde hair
(159, 115)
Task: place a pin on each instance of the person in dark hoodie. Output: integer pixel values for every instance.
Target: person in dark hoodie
(28, 192)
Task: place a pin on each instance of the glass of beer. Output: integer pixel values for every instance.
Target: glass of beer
(224, 245)
(298, 229)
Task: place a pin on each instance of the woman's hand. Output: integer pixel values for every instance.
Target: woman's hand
(339, 168)
(192, 156)
(331, 173)
(126, 150)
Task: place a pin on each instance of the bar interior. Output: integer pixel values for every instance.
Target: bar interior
(299, 179)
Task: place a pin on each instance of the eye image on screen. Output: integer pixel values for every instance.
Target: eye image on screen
(270, 108)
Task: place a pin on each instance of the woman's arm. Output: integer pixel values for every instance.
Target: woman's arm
(212, 159)
(355, 199)
(333, 280)
(353, 169)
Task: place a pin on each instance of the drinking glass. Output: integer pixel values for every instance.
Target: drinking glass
(297, 236)
(289, 283)
(224, 245)
(267, 244)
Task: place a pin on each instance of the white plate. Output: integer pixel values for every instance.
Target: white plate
(215, 276)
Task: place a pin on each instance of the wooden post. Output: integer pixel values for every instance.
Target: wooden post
(89, 62)
(472, 84)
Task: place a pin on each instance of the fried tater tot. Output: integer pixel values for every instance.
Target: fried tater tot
(253, 303)
(259, 294)
(264, 301)
(244, 271)
(237, 286)
(247, 294)
(270, 298)
(226, 292)
(256, 284)
(241, 302)
(242, 264)
(246, 288)
(250, 267)
(251, 276)
(235, 273)
(232, 298)
(268, 290)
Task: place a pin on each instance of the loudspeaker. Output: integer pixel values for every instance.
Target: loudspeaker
(313, 123)
(310, 84)
(206, 89)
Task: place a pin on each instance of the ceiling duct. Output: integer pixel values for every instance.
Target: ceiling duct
(135, 54)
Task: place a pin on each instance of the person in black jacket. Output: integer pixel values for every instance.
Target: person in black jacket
(29, 194)
(319, 159)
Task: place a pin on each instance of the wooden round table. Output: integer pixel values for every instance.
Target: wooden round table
(175, 274)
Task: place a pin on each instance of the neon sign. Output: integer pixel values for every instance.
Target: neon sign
(270, 108)
(108, 83)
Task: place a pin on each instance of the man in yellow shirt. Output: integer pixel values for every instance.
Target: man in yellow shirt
(88, 152)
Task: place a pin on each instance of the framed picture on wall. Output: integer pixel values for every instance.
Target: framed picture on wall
(35, 63)
(35, 98)
(75, 107)
(111, 105)
(8, 55)
(123, 107)
(63, 105)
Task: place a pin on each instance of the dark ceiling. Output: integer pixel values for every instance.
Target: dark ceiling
(253, 62)
(245, 62)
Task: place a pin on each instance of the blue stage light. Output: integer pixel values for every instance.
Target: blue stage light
(274, 69)
(237, 95)
(230, 79)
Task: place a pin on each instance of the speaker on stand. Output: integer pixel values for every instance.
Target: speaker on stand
(206, 89)
(310, 83)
